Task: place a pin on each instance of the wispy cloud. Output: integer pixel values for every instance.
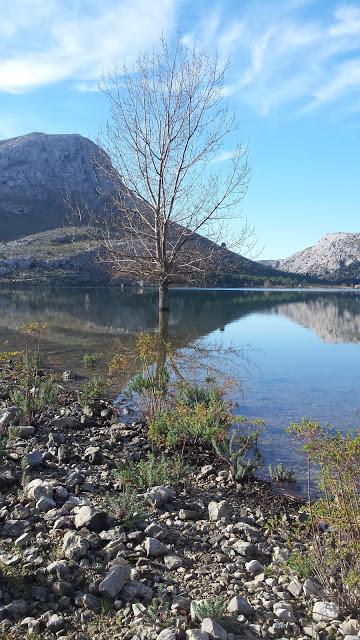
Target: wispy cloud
(59, 39)
(292, 54)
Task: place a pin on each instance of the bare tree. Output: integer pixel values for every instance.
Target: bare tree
(169, 215)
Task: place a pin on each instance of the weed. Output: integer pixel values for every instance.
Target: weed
(92, 391)
(335, 516)
(89, 360)
(279, 473)
(152, 471)
(208, 608)
(235, 447)
(128, 507)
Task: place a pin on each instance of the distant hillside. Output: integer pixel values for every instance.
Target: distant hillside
(335, 257)
(38, 173)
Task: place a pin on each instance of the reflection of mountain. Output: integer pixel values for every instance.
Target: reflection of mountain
(89, 319)
(332, 318)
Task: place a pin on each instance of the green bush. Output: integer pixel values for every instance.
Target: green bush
(279, 473)
(182, 424)
(234, 449)
(89, 360)
(152, 471)
(335, 516)
(92, 391)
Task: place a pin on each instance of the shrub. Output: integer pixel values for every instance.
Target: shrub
(128, 507)
(92, 391)
(152, 471)
(279, 473)
(89, 360)
(184, 424)
(208, 608)
(236, 446)
(32, 392)
(335, 515)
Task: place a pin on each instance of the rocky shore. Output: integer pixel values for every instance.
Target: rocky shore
(206, 558)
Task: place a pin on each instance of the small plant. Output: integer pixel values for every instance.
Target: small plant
(128, 507)
(92, 391)
(89, 360)
(301, 563)
(279, 473)
(208, 608)
(2, 446)
(334, 518)
(13, 432)
(152, 471)
(195, 418)
(235, 447)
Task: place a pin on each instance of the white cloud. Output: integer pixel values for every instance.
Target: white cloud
(60, 39)
(291, 54)
(224, 156)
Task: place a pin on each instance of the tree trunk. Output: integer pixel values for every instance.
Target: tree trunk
(163, 297)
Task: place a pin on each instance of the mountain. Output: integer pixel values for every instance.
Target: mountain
(39, 173)
(335, 257)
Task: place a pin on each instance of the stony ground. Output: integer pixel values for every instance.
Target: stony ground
(204, 559)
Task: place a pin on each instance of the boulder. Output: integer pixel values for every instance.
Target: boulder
(74, 547)
(240, 605)
(91, 519)
(325, 611)
(284, 611)
(213, 629)
(218, 510)
(155, 549)
(115, 580)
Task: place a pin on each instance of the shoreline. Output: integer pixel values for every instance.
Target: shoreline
(72, 567)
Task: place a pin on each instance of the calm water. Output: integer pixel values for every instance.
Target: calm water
(301, 348)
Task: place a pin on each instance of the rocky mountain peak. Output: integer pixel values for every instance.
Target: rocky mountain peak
(38, 171)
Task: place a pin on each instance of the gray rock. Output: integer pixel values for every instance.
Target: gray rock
(154, 548)
(253, 567)
(94, 455)
(172, 562)
(295, 587)
(56, 623)
(26, 431)
(168, 634)
(218, 510)
(91, 519)
(8, 416)
(245, 549)
(115, 580)
(17, 609)
(326, 611)
(35, 458)
(45, 504)
(239, 604)
(91, 602)
(284, 611)
(37, 488)
(159, 496)
(311, 588)
(74, 547)
(213, 629)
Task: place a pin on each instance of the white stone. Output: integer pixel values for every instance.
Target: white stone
(213, 629)
(326, 611)
(239, 604)
(218, 510)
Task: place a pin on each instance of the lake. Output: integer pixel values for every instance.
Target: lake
(301, 348)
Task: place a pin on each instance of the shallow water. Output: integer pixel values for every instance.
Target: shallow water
(300, 348)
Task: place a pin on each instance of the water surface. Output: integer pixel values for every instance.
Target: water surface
(302, 347)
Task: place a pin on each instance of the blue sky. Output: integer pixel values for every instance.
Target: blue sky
(294, 81)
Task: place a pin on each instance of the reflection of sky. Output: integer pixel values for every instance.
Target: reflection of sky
(296, 375)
